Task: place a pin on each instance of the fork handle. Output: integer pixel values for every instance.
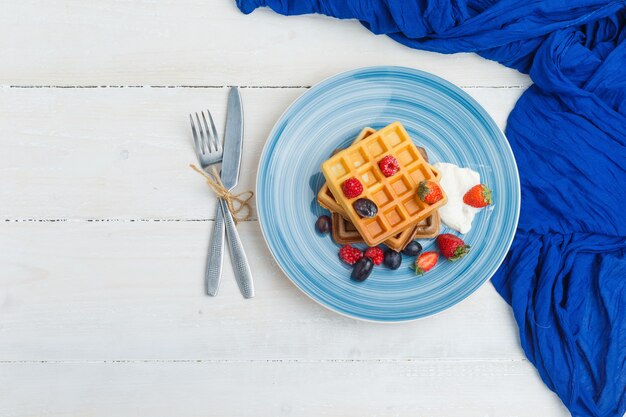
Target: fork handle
(215, 257)
(238, 258)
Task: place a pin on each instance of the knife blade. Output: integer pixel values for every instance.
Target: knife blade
(233, 140)
(231, 163)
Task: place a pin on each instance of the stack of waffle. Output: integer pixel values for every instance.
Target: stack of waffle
(402, 216)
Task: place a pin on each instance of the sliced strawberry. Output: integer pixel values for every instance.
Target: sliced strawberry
(425, 262)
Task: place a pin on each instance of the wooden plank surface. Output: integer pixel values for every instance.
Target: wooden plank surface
(201, 42)
(276, 388)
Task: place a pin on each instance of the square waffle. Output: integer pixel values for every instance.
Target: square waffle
(344, 232)
(327, 200)
(396, 196)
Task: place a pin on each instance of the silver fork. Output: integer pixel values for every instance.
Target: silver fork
(207, 145)
(209, 152)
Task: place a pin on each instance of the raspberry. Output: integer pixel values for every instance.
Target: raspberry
(350, 254)
(352, 187)
(376, 254)
(388, 165)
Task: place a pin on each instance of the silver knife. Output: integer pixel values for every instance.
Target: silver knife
(231, 162)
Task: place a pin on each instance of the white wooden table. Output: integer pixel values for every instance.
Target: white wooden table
(104, 229)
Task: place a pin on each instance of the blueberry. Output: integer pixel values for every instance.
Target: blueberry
(323, 224)
(362, 269)
(365, 208)
(392, 259)
(412, 249)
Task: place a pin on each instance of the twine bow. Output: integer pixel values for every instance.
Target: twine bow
(242, 199)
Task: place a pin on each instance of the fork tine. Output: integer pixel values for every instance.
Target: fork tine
(218, 144)
(203, 140)
(212, 140)
(195, 136)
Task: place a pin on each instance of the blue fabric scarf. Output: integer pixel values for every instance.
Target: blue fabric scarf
(565, 274)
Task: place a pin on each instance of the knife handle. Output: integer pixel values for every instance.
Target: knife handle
(215, 258)
(238, 258)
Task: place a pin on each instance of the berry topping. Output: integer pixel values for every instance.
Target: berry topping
(375, 254)
(478, 196)
(365, 208)
(393, 259)
(323, 224)
(352, 187)
(426, 262)
(350, 254)
(452, 247)
(412, 249)
(429, 192)
(362, 269)
(388, 165)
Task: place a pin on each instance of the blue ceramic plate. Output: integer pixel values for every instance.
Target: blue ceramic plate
(440, 117)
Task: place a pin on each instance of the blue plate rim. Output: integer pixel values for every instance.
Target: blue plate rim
(389, 68)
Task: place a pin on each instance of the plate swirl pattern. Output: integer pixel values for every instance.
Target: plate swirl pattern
(437, 115)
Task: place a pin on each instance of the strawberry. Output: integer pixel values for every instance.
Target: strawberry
(350, 254)
(478, 196)
(352, 187)
(429, 192)
(452, 247)
(425, 262)
(376, 254)
(388, 165)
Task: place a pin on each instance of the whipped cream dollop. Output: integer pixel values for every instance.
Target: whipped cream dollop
(455, 182)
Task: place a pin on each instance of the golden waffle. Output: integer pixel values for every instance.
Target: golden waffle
(396, 196)
(326, 199)
(344, 232)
